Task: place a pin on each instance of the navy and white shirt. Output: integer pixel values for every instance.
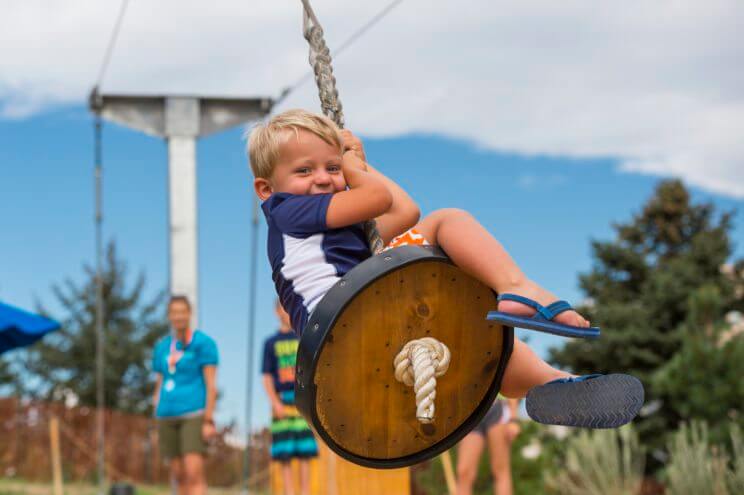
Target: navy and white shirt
(307, 257)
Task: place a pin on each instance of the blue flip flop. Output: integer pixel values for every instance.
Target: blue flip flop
(542, 321)
(590, 401)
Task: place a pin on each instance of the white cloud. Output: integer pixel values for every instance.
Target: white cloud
(657, 85)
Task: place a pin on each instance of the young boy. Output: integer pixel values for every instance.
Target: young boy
(317, 188)
(291, 437)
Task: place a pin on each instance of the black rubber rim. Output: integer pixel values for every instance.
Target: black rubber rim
(324, 317)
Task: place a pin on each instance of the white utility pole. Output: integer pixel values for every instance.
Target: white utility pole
(181, 120)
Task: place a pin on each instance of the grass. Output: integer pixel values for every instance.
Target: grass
(20, 487)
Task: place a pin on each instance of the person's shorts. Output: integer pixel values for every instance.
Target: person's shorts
(499, 414)
(291, 437)
(410, 237)
(179, 436)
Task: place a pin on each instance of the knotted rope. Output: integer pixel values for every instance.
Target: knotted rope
(320, 60)
(417, 365)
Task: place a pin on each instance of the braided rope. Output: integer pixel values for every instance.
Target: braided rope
(320, 60)
(417, 365)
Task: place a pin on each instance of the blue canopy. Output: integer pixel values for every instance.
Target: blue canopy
(20, 328)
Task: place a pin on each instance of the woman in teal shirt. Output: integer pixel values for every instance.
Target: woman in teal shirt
(185, 394)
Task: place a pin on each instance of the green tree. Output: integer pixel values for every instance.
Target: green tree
(660, 278)
(703, 381)
(6, 377)
(63, 364)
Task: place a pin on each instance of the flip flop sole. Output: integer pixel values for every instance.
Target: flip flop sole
(607, 401)
(543, 325)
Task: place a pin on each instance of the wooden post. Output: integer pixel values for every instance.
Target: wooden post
(56, 461)
(333, 475)
(449, 474)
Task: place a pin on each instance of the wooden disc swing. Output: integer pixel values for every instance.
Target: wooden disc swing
(353, 345)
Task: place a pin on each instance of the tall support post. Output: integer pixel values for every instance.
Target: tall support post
(181, 129)
(181, 120)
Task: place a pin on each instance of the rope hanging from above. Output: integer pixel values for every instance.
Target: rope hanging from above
(320, 60)
(418, 365)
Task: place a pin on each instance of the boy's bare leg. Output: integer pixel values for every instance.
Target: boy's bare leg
(526, 370)
(477, 252)
(500, 453)
(468, 455)
(288, 479)
(304, 477)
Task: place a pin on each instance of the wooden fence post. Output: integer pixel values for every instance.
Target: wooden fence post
(56, 461)
(449, 474)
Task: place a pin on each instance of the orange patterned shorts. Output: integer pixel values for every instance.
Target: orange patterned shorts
(410, 237)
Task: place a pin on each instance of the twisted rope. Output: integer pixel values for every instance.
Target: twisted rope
(417, 365)
(320, 60)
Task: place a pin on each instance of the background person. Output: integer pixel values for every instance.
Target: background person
(499, 428)
(185, 394)
(291, 437)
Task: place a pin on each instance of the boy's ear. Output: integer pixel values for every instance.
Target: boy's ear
(263, 188)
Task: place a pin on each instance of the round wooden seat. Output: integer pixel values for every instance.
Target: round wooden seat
(346, 387)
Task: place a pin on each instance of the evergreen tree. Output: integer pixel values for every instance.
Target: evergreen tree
(6, 377)
(63, 365)
(660, 279)
(703, 380)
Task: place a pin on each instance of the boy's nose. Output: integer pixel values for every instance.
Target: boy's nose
(322, 178)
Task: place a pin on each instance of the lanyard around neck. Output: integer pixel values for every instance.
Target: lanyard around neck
(175, 355)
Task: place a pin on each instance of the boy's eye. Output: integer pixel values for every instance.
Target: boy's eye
(333, 168)
(303, 170)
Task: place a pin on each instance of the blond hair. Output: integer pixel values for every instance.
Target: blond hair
(266, 140)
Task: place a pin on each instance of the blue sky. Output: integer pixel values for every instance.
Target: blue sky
(545, 210)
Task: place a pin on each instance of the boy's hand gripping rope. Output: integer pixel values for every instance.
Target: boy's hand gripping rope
(417, 365)
(320, 60)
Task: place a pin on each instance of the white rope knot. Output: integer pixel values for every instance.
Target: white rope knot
(417, 365)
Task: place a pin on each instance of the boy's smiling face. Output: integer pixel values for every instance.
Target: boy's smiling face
(306, 165)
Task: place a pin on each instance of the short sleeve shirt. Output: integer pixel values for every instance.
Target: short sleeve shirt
(280, 360)
(307, 258)
(183, 390)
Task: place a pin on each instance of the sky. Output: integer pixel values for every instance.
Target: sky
(548, 121)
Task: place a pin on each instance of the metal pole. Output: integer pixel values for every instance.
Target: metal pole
(99, 310)
(249, 357)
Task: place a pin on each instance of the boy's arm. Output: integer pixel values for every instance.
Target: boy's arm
(276, 405)
(402, 215)
(367, 197)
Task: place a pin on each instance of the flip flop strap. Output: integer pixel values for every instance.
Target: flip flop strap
(558, 307)
(548, 312)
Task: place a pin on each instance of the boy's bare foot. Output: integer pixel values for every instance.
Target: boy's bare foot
(533, 291)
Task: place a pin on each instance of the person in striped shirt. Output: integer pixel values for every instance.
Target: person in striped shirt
(291, 437)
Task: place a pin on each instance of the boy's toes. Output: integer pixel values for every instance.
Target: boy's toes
(573, 318)
(582, 322)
